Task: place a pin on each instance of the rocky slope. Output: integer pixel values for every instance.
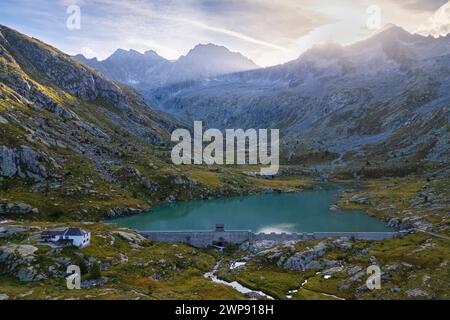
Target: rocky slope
(413, 267)
(383, 100)
(149, 70)
(74, 144)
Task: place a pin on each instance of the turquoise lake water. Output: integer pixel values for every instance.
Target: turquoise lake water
(300, 212)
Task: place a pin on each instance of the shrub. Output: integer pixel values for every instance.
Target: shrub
(95, 271)
(151, 289)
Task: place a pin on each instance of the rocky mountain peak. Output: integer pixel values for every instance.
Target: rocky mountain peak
(125, 54)
(152, 53)
(328, 50)
(391, 28)
(150, 70)
(209, 48)
(392, 32)
(215, 53)
(80, 57)
(37, 58)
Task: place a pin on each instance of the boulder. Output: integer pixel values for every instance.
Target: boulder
(130, 237)
(183, 181)
(333, 270)
(123, 258)
(171, 199)
(19, 261)
(123, 212)
(314, 265)
(319, 249)
(6, 231)
(360, 199)
(27, 274)
(16, 209)
(26, 250)
(12, 251)
(305, 260)
(94, 283)
(299, 261)
(131, 172)
(417, 293)
(342, 244)
(354, 270)
(3, 120)
(151, 186)
(356, 276)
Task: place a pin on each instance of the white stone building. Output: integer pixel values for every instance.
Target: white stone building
(67, 237)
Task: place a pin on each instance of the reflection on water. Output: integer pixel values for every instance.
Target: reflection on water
(302, 212)
(278, 228)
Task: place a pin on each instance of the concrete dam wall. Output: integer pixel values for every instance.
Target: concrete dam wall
(200, 239)
(222, 238)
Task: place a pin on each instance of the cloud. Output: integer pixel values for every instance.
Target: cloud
(269, 32)
(259, 22)
(67, 3)
(257, 28)
(231, 33)
(277, 22)
(423, 5)
(439, 24)
(88, 52)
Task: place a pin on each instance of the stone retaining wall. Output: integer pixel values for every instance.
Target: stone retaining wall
(323, 235)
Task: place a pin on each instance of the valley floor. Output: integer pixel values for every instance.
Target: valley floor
(119, 264)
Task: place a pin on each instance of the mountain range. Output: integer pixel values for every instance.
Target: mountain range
(382, 100)
(148, 70)
(79, 137)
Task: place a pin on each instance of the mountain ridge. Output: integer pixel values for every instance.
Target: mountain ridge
(148, 69)
(76, 145)
(348, 101)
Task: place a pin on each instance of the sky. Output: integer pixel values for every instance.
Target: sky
(268, 32)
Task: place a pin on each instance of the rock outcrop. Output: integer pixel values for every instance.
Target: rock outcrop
(10, 208)
(130, 237)
(24, 162)
(123, 212)
(19, 261)
(306, 260)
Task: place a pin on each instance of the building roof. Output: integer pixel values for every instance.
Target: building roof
(75, 232)
(64, 232)
(53, 233)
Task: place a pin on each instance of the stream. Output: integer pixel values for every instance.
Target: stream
(244, 290)
(235, 285)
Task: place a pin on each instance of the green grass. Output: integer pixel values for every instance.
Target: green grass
(153, 270)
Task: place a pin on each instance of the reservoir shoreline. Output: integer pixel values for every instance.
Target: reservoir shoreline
(270, 213)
